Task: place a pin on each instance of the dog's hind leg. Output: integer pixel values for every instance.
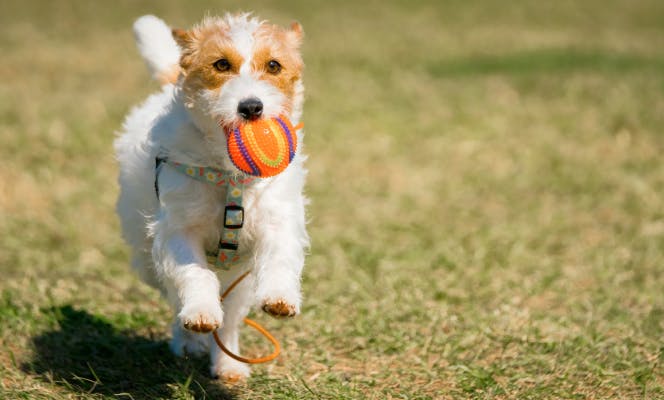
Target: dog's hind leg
(187, 343)
(236, 307)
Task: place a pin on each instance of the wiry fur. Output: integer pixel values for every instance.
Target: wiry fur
(184, 122)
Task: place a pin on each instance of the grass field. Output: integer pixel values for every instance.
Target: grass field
(487, 208)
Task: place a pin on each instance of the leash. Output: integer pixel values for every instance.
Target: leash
(251, 323)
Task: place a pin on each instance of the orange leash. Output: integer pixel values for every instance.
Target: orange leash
(253, 324)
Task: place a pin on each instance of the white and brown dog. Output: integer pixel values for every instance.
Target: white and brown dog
(215, 76)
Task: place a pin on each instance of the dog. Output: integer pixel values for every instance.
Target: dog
(219, 74)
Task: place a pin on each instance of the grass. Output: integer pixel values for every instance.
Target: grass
(487, 216)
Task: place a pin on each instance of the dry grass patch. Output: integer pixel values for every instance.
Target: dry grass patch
(486, 218)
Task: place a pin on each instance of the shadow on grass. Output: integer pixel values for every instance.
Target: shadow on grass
(88, 355)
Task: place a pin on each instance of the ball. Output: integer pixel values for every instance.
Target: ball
(263, 147)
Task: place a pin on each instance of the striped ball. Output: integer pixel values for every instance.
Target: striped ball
(263, 147)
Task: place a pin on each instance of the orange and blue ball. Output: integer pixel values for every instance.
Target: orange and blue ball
(263, 147)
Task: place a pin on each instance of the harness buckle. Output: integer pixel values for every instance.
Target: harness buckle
(227, 246)
(233, 217)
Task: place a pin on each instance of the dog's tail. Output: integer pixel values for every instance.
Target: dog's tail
(157, 46)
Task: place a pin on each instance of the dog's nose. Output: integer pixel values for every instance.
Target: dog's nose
(250, 109)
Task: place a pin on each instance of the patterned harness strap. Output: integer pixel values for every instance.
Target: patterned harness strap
(233, 212)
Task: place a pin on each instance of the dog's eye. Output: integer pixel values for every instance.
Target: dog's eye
(273, 67)
(222, 65)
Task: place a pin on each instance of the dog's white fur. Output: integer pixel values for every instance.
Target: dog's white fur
(169, 235)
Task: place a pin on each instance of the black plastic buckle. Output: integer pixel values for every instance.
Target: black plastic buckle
(234, 208)
(228, 246)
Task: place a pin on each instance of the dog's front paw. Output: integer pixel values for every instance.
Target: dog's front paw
(278, 296)
(280, 308)
(201, 317)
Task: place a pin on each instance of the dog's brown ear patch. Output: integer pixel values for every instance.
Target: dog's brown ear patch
(185, 40)
(296, 33)
(182, 37)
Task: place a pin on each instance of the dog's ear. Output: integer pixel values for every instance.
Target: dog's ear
(182, 38)
(185, 40)
(295, 33)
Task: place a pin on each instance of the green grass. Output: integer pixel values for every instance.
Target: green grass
(487, 217)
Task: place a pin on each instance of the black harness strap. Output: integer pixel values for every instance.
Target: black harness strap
(157, 167)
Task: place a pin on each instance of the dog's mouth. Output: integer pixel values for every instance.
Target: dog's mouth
(231, 126)
(228, 126)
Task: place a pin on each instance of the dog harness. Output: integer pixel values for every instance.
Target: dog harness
(228, 242)
(229, 239)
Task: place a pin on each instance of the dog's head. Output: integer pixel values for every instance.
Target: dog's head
(236, 69)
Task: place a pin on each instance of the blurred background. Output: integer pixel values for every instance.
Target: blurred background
(486, 216)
